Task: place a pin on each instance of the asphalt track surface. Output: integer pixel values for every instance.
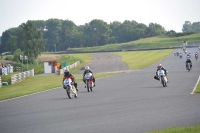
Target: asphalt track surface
(131, 102)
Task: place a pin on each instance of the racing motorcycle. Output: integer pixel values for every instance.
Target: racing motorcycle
(70, 88)
(89, 81)
(162, 77)
(188, 67)
(196, 56)
(180, 56)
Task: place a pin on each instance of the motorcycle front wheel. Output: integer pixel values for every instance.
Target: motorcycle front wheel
(163, 82)
(69, 93)
(88, 85)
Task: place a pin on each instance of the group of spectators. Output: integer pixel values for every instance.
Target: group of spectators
(6, 68)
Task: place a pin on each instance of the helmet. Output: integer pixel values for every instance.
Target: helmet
(159, 66)
(87, 68)
(66, 72)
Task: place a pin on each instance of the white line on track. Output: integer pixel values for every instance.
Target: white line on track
(28, 95)
(196, 85)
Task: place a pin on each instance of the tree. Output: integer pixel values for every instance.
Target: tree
(10, 40)
(54, 28)
(16, 55)
(33, 42)
(98, 29)
(68, 33)
(187, 27)
(115, 34)
(196, 27)
(155, 30)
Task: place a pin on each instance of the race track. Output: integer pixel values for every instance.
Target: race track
(132, 102)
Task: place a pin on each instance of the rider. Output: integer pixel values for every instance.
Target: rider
(180, 54)
(188, 61)
(197, 54)
(67, 74)
(87, 69)
(159, 67)
(188, 55)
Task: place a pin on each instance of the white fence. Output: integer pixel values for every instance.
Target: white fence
(21, 76)
(69, 67)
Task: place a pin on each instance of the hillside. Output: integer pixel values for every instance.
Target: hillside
(143, 43)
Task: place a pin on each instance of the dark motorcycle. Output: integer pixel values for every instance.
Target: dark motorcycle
(188, 66)
(196, 56)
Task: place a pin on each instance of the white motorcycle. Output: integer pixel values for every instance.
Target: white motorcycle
(70, 89)
(89, 81)
(162, 77)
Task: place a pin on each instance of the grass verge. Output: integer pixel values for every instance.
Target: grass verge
(142, 59)
(197, 89)
(190, 129)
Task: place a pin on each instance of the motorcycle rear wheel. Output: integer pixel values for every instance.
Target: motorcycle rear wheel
(90, 88)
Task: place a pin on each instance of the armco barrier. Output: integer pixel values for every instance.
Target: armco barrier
(21, 76)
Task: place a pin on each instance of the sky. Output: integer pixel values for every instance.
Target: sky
(170, 14)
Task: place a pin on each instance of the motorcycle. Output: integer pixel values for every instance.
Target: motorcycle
(89, 81)
(188, 67)
(162, 77)
(70, 89)
(196, 56)
(180, 56)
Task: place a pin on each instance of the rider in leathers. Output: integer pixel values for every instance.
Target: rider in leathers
(87, 69)
(158, 68)
(67, 74)
(188, 61)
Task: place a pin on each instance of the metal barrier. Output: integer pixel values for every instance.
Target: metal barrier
(21, 76)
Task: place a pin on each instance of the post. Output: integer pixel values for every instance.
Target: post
(55, 47)
(26, 58)
(21, 58)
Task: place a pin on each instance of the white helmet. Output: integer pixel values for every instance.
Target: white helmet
(87, 68)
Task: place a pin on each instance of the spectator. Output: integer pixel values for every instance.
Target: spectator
(8, 67)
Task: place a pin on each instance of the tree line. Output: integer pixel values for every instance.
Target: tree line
(34, 37)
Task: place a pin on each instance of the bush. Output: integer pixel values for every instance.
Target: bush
(10, 58)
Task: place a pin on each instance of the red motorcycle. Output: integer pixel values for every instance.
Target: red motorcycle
(89, 81)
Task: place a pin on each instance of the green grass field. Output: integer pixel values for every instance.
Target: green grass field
(152, 42)
(142, 59)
